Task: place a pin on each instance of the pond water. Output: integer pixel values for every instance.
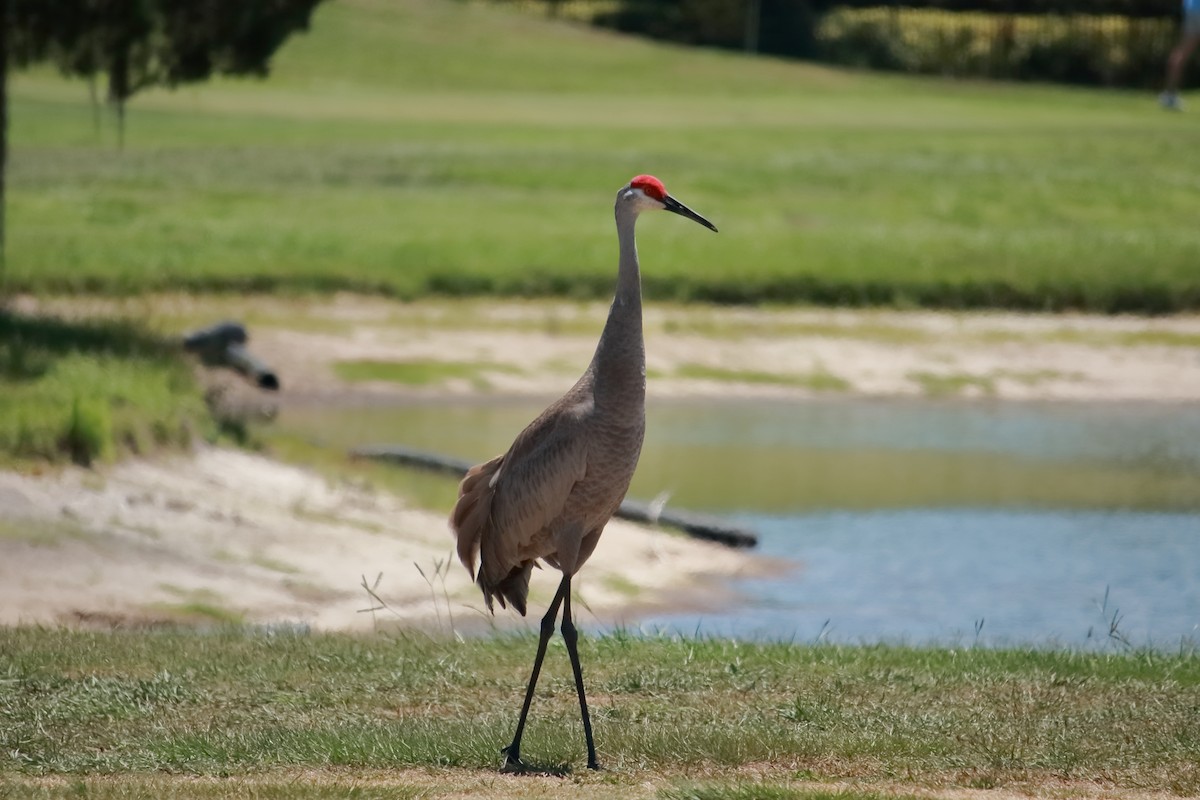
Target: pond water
(990, 523)
(975, 576)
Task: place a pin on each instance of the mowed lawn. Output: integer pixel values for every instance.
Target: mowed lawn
(426, 146)
(260, 713)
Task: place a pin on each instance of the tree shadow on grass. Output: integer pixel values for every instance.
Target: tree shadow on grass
(30, 344)
(51, 413)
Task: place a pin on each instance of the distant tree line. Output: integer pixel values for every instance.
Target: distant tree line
(136, 44)
(1089, 49)
(1119, 8)
(1100, 42)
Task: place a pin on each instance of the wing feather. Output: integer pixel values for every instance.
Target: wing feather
(506, 505)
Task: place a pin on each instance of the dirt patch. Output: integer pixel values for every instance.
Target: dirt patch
(539, 349)
(613, 781)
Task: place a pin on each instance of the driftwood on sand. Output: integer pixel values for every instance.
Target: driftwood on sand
(224, 345)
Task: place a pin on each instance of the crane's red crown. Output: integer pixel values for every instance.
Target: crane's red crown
(651, 185)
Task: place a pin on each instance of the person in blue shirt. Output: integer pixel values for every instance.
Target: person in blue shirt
(1178, 59)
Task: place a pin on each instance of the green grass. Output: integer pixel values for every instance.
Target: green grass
(818, 380)
(196, 612)
(273, 564)
(42, 533)
(416, 373)
(419, 147)
(622, 586)
(88, 391)
(195, 606)
(948, 384)
(700, 321)
(952, 384)
(689, 715)
(143, 787)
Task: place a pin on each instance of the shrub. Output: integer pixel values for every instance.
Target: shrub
(1098, 42)
(1108, 51)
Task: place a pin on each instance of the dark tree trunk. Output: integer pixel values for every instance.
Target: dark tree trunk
(94, 94)
(119, 107)
(4, 21)
(753, 19)
(118, 91)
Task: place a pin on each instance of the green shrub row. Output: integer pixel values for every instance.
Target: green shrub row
(1099, 43)
(1122, 8)
(1105, 51)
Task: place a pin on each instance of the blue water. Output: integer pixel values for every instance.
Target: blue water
(911, 521)
(1046, 578)
(1046, 562)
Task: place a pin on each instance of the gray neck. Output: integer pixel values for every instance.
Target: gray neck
(619, 365)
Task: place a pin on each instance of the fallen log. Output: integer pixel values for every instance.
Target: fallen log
(699, 526)
(224, 345)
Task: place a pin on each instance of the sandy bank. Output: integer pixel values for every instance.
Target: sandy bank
(231, 535)
(539, 347)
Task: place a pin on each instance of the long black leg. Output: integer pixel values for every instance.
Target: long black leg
(512, 753)
(571, 637)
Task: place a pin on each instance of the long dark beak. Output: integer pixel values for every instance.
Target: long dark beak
(679, 208)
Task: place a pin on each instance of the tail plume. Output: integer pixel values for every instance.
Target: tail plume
(512, 590)
(473, 510)
(471, 522)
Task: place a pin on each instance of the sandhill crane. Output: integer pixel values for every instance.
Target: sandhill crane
(550, 496)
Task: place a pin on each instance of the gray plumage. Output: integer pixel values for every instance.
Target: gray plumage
(549, 497)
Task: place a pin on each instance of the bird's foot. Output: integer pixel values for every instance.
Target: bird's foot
(512, 759)
(594, 765)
